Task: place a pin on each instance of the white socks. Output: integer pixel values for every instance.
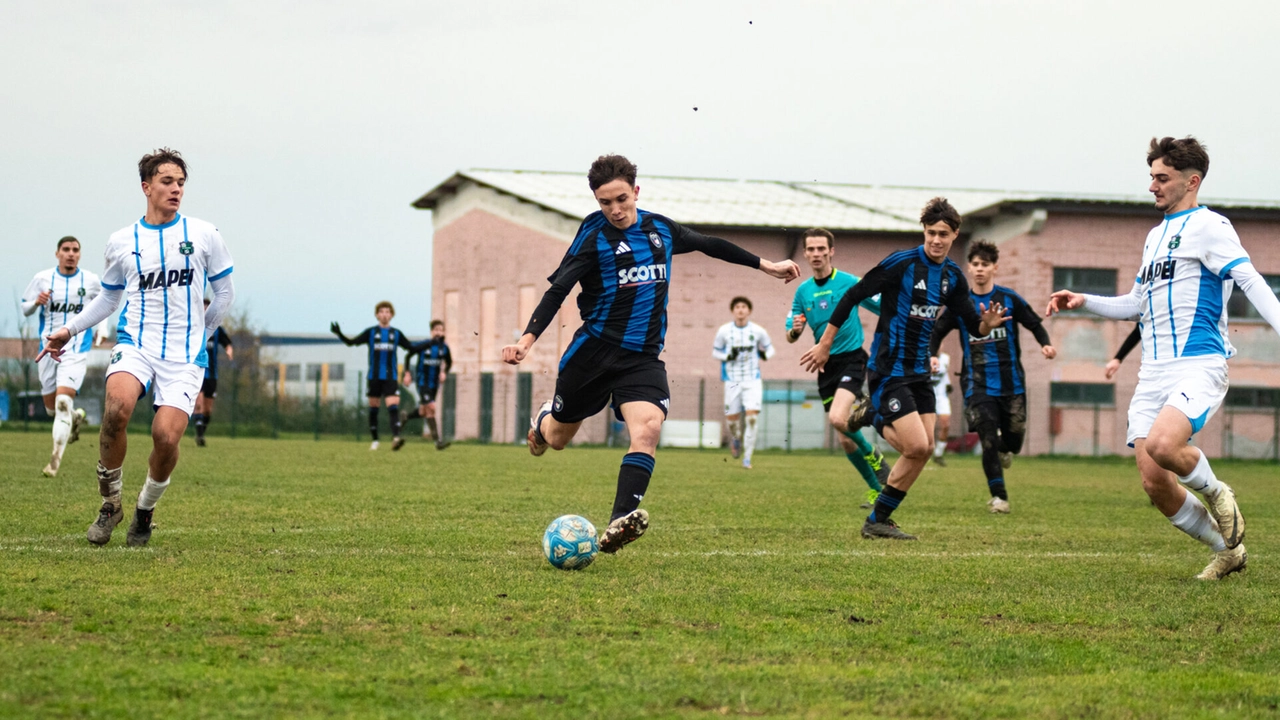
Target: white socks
(110, 483)
(1193, 519)
(1202, 479)
(939, 448)
(151, 492)
(62, 419)
(749, 441)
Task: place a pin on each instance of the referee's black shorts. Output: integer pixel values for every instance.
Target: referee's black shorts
(592, 372)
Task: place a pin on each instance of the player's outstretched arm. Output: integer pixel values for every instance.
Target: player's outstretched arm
(1027, 318)
(1259, 293)
(337, 330)
(95, 312)
(785, 270)
(941, 330)
(514, 354)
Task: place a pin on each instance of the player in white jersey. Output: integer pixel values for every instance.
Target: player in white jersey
(942, 398)
(159, 266)
(740, 346)
(1189, 263)
(60, 294)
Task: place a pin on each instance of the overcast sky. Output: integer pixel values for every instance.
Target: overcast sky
(310, 127)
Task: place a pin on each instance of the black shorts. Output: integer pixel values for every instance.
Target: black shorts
(427, 395)
(210, 387)
(594, 371)
(382, 388)
(846, 370)
(896, 397)
(988, 415)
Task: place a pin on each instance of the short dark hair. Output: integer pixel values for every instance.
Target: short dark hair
(984, 250)
(819, 232)
(1184, 154)
(939, 210)
(67, 239)
(151, 162)
(740, 299)
(384, 304)
(608, 168)
(436, 323)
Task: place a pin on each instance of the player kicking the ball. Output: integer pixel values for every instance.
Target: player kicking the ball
(740, 346)
(914, 286)
(622, 257)
(60, 295)
(160, 266)
(1179, 296)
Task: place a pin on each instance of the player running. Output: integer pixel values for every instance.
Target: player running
(160, 266)
(740, 346)
(914, 286)
(940, 380)
(384, 368)
(622, 257)
(434, 363)
(60, 294)
(1179, 297)
(994, 383)
(840, 382)
(209, 389)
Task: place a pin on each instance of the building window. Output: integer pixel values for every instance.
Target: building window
(292, 372)
(313, 372)
(337, 372)
(1253, 397)
(1239, 307)
(272, 372)
(1094, 281)
(1067, 393)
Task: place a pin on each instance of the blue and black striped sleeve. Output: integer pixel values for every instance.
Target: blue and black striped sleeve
(223, 338)
(684, 240)
(946, 323)
(1027, 318)
(961, 304)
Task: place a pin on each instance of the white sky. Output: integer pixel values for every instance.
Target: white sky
(310, 127)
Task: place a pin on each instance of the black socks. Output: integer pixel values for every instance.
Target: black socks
(633, 481)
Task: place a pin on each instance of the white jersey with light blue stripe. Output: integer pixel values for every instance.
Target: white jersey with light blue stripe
(68, 296)
(163, 270)
(1183, 286)
(746, 345)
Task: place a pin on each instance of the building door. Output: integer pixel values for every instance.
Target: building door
(524, 404)
(486, 407)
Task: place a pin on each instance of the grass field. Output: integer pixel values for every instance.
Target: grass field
(296, 578)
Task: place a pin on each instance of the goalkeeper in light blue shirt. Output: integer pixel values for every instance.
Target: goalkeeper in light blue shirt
(840, 382)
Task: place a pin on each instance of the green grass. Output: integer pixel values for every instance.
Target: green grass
(295, 578)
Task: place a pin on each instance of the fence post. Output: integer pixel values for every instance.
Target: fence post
(702, 404)
(1095, 429)
(789, 416)
(275, 416)
(317, 403)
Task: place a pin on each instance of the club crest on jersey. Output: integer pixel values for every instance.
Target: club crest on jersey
(656, 239)
(115, 357)
(80, 292)
(186, 248)
(823, 303)
(1175, 242)
(946, 284)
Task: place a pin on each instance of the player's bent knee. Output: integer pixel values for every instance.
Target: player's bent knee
(1164, 449)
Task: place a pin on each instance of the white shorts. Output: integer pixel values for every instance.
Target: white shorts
(67, 372)
(1194, 386)
(176, 384)
(744, 395)
(942, 400)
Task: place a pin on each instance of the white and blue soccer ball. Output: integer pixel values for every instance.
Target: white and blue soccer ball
(570, 542)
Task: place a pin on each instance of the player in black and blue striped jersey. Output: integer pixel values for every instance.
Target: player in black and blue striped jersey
(914, 286)
(434, 363)
(994, 383)
(209, 389)
(384, 368)
(621, 257)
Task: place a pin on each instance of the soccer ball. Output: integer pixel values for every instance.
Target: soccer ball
(570, 542)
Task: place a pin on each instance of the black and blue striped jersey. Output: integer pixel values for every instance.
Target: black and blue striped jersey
(382, 342)
(993, 363)
(624, 276)
(431, 354)
(219, 337)
(913, 292)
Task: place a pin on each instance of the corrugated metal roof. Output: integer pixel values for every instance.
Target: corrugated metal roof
(769, 203)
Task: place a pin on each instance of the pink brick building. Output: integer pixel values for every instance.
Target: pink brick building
(499, 234)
